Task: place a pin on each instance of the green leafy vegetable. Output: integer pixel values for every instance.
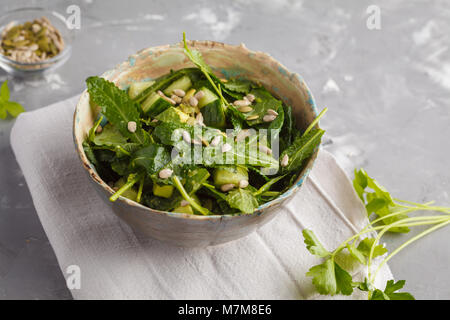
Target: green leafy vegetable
(264, 102)
(117, 106)
(110, 136)
(313, 244)
(390, 293)
(151, 158)
(7, 106)
(301, 149)
(242, 200)
(329, 278)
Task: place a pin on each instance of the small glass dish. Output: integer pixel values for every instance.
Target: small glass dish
(23, 69)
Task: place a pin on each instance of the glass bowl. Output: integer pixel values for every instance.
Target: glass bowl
(23, 69)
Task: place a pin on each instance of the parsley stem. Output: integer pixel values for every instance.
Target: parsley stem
(141, 187)
(130, 183)
(414, 203)
(432, 219)
(407, 243)
(186, 197)
(424, 206)
(367, 229)
(267, 185)
(121, 149)
(315, 121)
(400, 223)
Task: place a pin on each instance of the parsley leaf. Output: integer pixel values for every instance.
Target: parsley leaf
(330, 278)
(379, 201)
(313, 244)
(6, 106)
(390, 293)
(365, 246)
(196, 57)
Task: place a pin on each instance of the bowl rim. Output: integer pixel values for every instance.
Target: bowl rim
(67, 47)
(87, 165)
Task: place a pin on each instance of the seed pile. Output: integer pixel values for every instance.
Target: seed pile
(30, 42)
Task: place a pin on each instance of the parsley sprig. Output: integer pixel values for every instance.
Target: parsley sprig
(7, 106)
(386, 214)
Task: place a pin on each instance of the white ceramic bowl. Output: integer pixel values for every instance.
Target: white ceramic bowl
(227, 61)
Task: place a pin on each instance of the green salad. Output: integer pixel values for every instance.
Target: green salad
(193, 143)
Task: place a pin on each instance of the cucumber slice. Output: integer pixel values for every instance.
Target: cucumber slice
(137, 87)
(184, 83)
(207, 98)
(172, 114)
(164, 191)
(226, 175)
(186, 209)
(214, 115)
(154, 105)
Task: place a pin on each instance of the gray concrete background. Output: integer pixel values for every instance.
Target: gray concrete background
(388, 94)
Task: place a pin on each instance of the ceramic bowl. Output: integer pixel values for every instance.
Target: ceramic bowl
(227, 61)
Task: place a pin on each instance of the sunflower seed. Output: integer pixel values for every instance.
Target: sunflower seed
(226, 147)
(250, 97)
(186, 137)
(184, 203)
(132, 126)
(176, 98)
(165, 173)
(199, 118)
(245, 109)
(227, 187)
(269, 118)
(179, 92)
(241, 103)
(193, 101)
(26, 54)
(33, 47)
(162, 95)
(265, 149)
(36, 28)
(215, 141)
(254, 117)
(242, 135)
(243, 184)
(200, 94)
(285, 161)
(272, 112)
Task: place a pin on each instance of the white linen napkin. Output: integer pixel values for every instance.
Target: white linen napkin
(115, 263)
